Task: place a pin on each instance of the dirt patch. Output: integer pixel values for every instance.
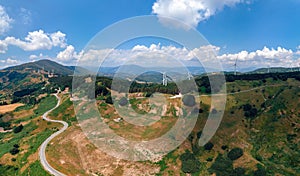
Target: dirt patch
(83, 158)
(9, 108)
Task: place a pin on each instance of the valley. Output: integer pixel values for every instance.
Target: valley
(258, 135)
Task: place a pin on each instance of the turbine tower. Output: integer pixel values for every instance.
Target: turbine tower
(268, 68)
(235, 65)
(165, 80)
(190, 76)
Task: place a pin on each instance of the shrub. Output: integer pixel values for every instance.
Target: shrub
(190, 164)
(200, 110)
(208, 146)
(18, 129)
(148, 94)
(189, 100)
(108, 100)
(261, 171)
(199, 134)
(222, 166)
(235, 154)
(123, 101)
(224, 147)
(239, 171)
(247, 107)
(14, 151)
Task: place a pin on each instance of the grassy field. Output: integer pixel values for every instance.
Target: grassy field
(34, 132)
(268, 139)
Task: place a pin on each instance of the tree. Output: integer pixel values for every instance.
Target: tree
(247, 107)
(199, 134)
(14, 151)
(222, 166)
(239, 171)
(261, 171)
(235, 154)
(18, 129)
(189, 100)
(108, 100)
(208, 146)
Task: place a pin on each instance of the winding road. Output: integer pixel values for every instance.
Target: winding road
(42, 152)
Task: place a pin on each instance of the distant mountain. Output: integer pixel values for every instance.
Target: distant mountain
(47, 66)
(135, 69)
(275, 70)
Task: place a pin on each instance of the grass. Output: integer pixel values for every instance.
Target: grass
(15, 138)
(46, 104)
(35, 169)
(25, 107)
(35, 132)
(35, 141)
(64, 112)
(62, 108)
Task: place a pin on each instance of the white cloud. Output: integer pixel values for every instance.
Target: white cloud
(8, 62)
(298, 50)
(25, 15)
(154, 55)
(157, 55)
(40, 56)
(191, 12)
(5, 21)
(58, 39)
(68, 54)
(36, 40)
(3, 47)
(260, 58)
(11, 61)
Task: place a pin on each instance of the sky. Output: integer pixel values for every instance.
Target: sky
(256, 33)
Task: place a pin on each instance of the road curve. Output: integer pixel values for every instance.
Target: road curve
(42, 152)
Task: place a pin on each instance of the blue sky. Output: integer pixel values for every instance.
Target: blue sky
(268, 30)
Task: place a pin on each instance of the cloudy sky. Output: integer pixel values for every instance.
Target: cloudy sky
(258, 33)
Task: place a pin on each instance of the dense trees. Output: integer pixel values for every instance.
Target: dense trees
(190, 164)
(222, 166)
(249, 111)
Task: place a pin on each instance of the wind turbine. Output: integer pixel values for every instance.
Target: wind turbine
(165, 80)
(268, 68)
(190, 76)
(235, 65)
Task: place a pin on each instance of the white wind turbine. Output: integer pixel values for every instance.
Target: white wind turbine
(235, 66)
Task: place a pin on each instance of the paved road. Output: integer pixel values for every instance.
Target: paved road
(42, 152)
